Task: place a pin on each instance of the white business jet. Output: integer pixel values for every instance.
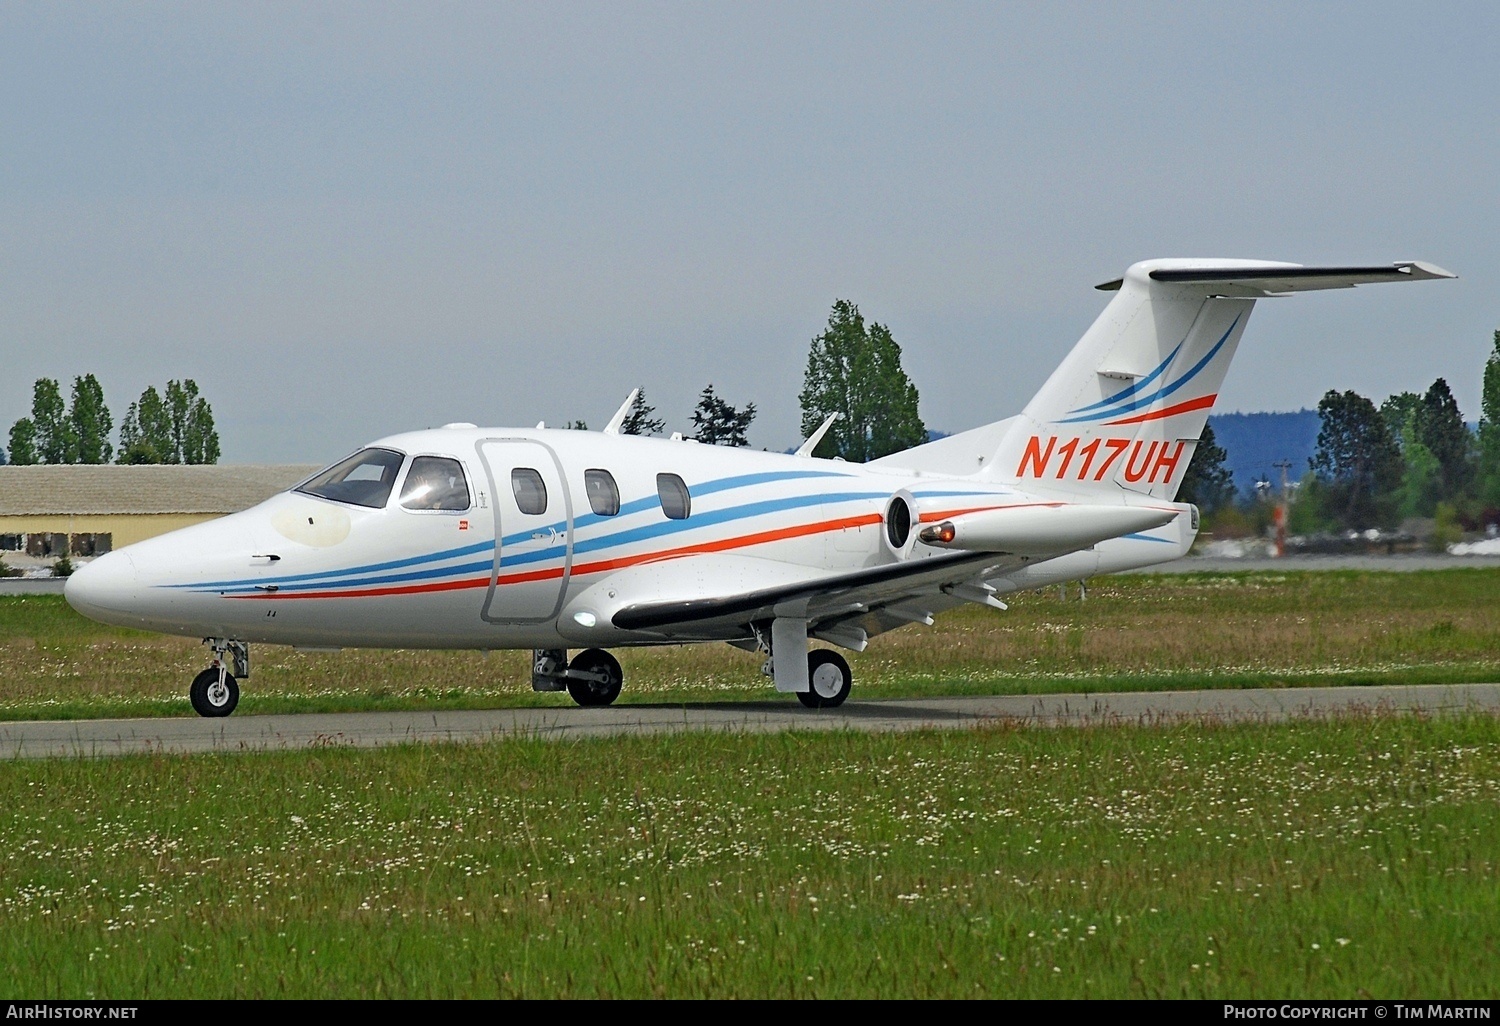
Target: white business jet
(551, 540)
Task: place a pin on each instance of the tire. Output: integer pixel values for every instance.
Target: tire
(208, 699)
(828, 679)
(590, 692)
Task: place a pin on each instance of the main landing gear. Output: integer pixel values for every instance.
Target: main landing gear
(593, 677)
(820, 678)
(215, 692)
(828, 679)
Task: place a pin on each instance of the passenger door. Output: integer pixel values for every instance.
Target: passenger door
(533, 531)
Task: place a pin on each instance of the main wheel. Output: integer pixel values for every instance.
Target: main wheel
(828, 678)
(598, 663)
(210, 697)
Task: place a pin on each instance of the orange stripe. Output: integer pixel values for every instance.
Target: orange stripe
(531, 576)
(1202, 402)
(928, 518)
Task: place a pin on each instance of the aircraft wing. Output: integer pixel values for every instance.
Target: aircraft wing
(691, 603)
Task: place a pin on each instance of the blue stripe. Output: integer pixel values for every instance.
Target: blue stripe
(625, 537)
(1160, 393)
(365, 582)
(650, 502)
(1147, 537)
(467, 550)
(1133, 389)
(722, 516)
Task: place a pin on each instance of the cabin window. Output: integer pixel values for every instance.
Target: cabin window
(364, 479)
(435, 482)
(530, 489)
(604, 495)
(676, 503)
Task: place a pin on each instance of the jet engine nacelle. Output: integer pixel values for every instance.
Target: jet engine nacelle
(1043, 528)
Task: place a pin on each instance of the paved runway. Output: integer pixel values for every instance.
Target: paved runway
(368, 730)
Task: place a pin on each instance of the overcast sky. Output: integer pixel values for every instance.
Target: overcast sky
(349, 220)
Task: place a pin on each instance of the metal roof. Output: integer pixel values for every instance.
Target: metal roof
(83, 490)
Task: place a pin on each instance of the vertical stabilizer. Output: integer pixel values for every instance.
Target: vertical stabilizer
(1127, 406)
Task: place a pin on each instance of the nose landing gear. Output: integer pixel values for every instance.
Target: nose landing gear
(593, 677)
(215, 692)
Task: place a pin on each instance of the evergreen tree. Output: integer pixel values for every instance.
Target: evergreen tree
(1421, 477)
(1441, 428)
(1207, 483)
(1489, 427)
(855, 370)
(90, 422)
(1399, 412)
(639, 420)
(718, 423)
(1358, 460)
(23, 442)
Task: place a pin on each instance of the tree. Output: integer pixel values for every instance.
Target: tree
(1489, 427)
(146, 431)
(718, 423)
(176, 429)
(1441, 428)
(53, 433)
(576, 425)
(23, 442)
(90, 422)
(1207, 483)
(194, 439)
(1399, 412)
(855, 371)
(639, 420)
(1420, 479)
(1357, 458)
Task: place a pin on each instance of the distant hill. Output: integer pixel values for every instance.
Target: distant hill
(1255, 442)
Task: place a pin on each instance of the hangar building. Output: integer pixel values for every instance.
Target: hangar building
(85, 510)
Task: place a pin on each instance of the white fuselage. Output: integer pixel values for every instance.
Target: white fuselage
(505, 573)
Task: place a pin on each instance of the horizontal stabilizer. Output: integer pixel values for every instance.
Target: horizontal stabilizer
(1279, 279)
(1043, 529)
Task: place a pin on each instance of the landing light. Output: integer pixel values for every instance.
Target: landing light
(585, 619)
(938, 534)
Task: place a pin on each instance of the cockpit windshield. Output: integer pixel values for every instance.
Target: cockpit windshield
(364, 479)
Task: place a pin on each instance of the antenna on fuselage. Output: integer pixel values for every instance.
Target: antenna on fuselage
(618, 420)
(805, 450)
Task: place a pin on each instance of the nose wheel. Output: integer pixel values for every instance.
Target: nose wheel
(594, 677)
(215, 692)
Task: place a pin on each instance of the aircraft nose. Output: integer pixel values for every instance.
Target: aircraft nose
(105, 589)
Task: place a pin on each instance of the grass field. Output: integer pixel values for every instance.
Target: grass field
(1133, 632)
(1348, 858)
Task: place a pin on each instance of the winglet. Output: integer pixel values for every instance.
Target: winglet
(805, 450)
(615, 422)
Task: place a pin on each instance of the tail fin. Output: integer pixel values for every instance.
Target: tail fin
(1126, 407)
